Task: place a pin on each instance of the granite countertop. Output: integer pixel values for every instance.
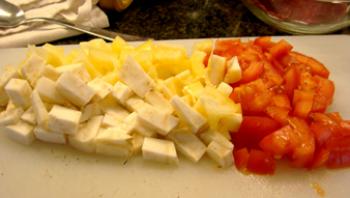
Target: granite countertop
(180, 19)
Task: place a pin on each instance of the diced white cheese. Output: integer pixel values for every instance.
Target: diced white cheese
(76, 69)
(90, 110)
(216, 69)
(7, 73)
(110, 105)
(136, 78)
(32, 68)
(157, 120)
(135, 103)
(220, 154)
(20, 132)
(159, 150)
(39, 109)
(158, 100)
(63, 120)
(210, 136)
(19, 91)
(29, 116)
(188, 144)
(74, 89)
(121, 92)
(225, 89)
(117, 135)
(137, 141)
(195, 120)
(138, 127)
(113, 150)
(101, 88)
(11, 116)
(10, 106)
(110, 120)
(50, 72)
(47, 91)
(83, 140)
(164, 89)
(48, 136)
(234, 72)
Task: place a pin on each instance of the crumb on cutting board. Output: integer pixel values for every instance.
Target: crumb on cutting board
(318, 189)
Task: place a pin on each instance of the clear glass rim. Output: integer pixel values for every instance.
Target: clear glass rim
(290, 27)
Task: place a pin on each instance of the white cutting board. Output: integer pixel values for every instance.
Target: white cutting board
(46, 170)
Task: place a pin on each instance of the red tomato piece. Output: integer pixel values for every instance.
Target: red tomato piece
(316, 67)
(252, 130)
(228, 48)
(302, 103)
(320, 158)
(339, 156)
(261, 162)
(280, 49)
(281, 100)
(264, 42)
(291, 81)
(252, 73)
(280, 114)
(241, 157)
(324, 92)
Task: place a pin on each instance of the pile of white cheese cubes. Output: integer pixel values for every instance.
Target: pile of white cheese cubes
(137, 114)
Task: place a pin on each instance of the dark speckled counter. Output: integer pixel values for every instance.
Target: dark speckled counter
(179, 19)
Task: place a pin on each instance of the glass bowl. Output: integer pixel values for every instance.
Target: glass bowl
(302, 16)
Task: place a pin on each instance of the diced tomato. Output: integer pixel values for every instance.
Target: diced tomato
(264, 42)
(252, 72)
(241, 157)
(261, 162)
(324, 92)
(339, 156)
(302, 103)
(317, 68)
(271, 76)
(280, 49)
(228, 48)
(320, 158)
(252, 130)
(281, 100)
(294, 140)
(280, 114)
(291, 81)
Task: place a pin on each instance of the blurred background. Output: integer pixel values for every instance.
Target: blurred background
(180, 19)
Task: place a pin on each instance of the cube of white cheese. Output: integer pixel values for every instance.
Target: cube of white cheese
(110, 105)
(10, 106)
(225, 89)
(234, 72)
(210, 136)
(19, 91)
(158, 100)
(89, 111)
(77, 69)
(110, 120)
(7, 73)
(133, 120)
(28, 116)
(48, 136)
(101, 88)
(63, 120)
(220, 154)
(189, 115)
(136, 103)
(50, 72)
(39, 109)
(117, 135)
(47, 91)
(74, 89)
(21, 132)
(137, 141)
(84, 139)
(216, 69)
(32, 68)
(136, 78)
(11, 116)
(121, 92)
(157, 120)
(188, 144)
(159, 150)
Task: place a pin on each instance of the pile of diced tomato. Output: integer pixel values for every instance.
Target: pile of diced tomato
(284, 95)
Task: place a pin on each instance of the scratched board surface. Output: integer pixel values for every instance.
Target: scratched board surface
(47, 170)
